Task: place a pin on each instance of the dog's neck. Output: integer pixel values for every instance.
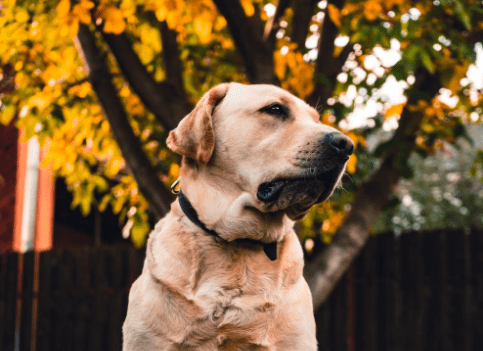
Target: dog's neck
(231, 214)
(270, 249)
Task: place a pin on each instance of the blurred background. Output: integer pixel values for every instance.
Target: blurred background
(90, 89)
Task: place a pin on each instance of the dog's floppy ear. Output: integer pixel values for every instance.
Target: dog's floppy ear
(194, 137)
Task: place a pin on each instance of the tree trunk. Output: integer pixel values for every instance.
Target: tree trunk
(325, 270)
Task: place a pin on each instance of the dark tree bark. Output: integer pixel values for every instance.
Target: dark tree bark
(247, 33)
(164, 99)
(173, 67)
(101, 80)
(328, 267)
(327, 66)
(302, 15)
(273, 23)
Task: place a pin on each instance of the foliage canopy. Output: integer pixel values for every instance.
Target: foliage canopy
(160, 56)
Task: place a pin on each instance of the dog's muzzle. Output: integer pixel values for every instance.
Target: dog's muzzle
(322, 171)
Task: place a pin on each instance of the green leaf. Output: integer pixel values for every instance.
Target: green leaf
(393, 202)
(463, 15)
(320, 78)
(409, 58)
(383, 147)
(398, 71)
(477, 163)
(427, 61)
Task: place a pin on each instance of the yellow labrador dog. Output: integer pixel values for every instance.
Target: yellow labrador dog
(223, 269)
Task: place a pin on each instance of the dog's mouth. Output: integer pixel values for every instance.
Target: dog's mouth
(303, 191)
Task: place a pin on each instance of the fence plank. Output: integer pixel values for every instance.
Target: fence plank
(99, 284)
(467, 305)
(413, 295)
(477, 265)
(351, 311)
(420, 293)
(3, 291)
(439, 327)
(390, 338)
(81, 298)
(368, 307)
(8, 318)
(341, 317)
(27, 300)
(63, 287)
(114, 271)
(322, 318)
(44, 319)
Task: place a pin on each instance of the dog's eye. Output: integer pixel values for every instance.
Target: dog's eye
(276, 110)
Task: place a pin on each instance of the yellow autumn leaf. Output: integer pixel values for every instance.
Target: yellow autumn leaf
(22, 16)
(394, 110)
(128, 9)
(63, 8)
(203, 26)
(70, 26)
(348, 8)
(114, 166)
(220, 23)
(248, 7)
(7, 114)
(430, 111)
(174, 170)
(334, 15)
(82, 11)
(420, 106)
(139, 231)
(357, 139)
(18, 66)
(388, 4)
(352, 164)
(161, 13)
(172, 19)
(372, 9)
(113, 19)
(459, 73)
(41, 100)
(280, 67)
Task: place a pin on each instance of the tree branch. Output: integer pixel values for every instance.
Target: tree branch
(273, 24)
(327, 66)
(327, 268)
(302, 15)
(162, 99)
(173, 67)
(247, 33)
(7, 82)
(101, 79)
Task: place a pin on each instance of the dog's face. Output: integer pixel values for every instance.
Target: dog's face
(267, 143)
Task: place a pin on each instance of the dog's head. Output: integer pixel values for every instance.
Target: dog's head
(262, 140)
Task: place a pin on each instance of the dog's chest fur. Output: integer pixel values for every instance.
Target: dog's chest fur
(226, 293)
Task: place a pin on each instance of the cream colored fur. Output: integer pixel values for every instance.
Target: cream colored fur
(199, 292)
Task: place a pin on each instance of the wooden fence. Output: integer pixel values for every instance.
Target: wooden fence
(76, 301)
(419, 291)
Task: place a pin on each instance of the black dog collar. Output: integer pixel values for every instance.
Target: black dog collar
(270, 249)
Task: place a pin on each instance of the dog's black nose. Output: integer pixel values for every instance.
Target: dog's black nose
(341, 143)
